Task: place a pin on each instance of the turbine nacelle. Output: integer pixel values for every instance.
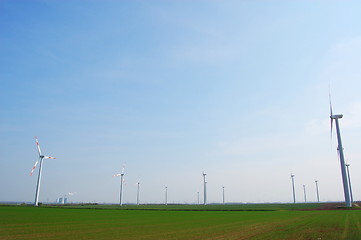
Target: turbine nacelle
(43, 156)
(336, 116)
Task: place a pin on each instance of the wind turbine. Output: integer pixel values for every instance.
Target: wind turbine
(198, 197)
(349, 181)
(166, 195)
(41, 158)
(223, 194)
(318, 196)
(138, 183)
(205, 188)
(121, 185)
(304, 192)
(346, 189)
(293, 187)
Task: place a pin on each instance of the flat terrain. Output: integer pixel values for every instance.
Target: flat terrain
(178, 222)
(210, 207)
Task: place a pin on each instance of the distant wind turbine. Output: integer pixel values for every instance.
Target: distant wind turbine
(349, 181)
(198, 197)
(204, 189)
(138, 184)
(346, 189)
(304, 193)
(223, 194)
(41, 158)
(318, 196)
(121, 185)
(293, 187)
(166, 195)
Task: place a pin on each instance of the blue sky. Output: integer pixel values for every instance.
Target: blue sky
(238, 89)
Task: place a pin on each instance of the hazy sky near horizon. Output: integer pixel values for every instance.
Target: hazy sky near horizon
(238, 89)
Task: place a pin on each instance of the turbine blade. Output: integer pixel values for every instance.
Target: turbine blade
(331, 129)
(331, 113)
(123, 168)
(32, 170)
(38, 146)
(116, 175)
(49, 157)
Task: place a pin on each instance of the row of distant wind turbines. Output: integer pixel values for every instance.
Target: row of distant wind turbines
(165, 188)
(42, 157)
(317, 190)
(304, 190)
(345, 173)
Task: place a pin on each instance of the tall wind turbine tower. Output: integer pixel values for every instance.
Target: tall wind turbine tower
(304, 192)
(346, 189)
(293, 187)
(318, 196)
(204, 188)
(41, 158)
(223, 194)
(198, 197)
(349, 181)
(166, 195)
(138, 183)
(121, 185)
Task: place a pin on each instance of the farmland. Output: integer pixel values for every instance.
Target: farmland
(249, 221)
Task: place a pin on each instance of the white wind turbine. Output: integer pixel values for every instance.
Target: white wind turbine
(204, 188)
(138, 184)
(293, 187)
(121, 185)
(304, 193)
(346, 189)
(223, 194)
(318, 196)
(349, 181)
(41, 158)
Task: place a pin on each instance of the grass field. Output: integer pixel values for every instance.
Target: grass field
(210, 207)
(178, 222)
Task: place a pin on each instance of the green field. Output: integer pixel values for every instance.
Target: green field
(210, 207)
(179, 222)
